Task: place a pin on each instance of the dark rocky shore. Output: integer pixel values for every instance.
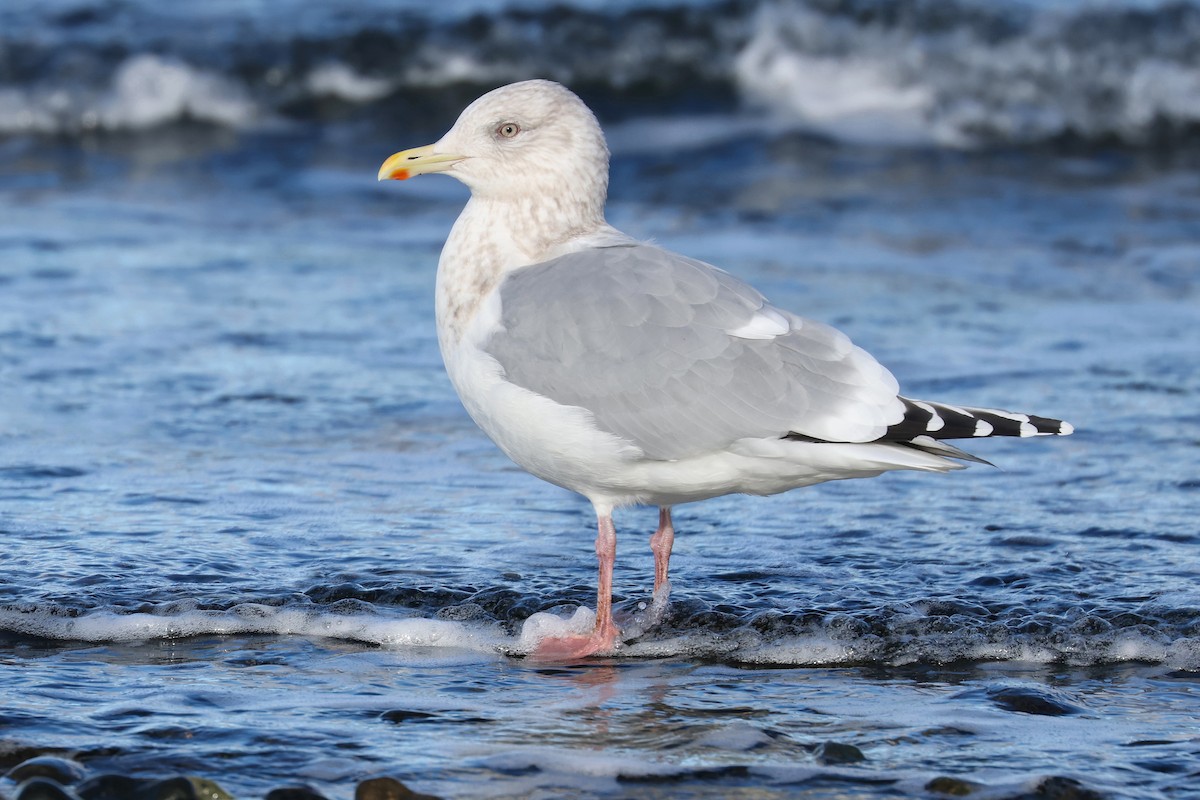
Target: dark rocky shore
(56, 777)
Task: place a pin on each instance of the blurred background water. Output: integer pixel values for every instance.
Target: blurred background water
(249, 534)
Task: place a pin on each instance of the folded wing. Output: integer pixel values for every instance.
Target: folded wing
(681, 358)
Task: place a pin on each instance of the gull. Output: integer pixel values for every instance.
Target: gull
(633, 375)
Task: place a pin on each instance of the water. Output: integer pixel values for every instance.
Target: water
(251, 535)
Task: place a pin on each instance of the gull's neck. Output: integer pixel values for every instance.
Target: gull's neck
(493, 236)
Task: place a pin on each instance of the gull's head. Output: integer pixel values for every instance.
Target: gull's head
(533, 139)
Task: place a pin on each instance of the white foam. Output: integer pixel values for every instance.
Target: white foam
(541, 625)
(251, 618)
(148, 90)
(736, 736)
(811, 650)
(411, 633)
(339, 80)
(881, 84)
(445, 68)
(858, 98)
(1158, 89)
(573, 763)
(145, 91)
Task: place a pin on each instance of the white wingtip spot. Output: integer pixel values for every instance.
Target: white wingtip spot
(1065, 429)
(1028, 429)
(983, 428)
(936, 423)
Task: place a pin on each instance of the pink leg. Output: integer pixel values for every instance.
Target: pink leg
(603, 637)
(606, 553)
(661, 543)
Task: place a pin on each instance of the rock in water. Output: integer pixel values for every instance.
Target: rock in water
(388, 789)
(838, 753)
(61, 770)
(44, 789)
(295, 793)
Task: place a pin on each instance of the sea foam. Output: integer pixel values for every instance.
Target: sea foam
(745, 644)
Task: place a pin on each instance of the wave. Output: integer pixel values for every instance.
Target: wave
(958, 73)
(492, 623)
(972, 76)
(145, 91)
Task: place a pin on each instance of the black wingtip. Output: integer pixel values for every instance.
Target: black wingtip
(942, 421)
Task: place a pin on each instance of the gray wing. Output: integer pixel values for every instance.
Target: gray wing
(681, 358)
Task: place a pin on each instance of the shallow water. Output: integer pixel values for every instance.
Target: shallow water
(251, 535)
(261, 712)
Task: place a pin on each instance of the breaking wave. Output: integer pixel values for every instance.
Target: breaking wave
(500, 621)
(969, 76)
(958, 73)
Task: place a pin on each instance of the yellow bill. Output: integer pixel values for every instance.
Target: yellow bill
(417, 161)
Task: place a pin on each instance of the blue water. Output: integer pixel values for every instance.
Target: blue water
(249, 534)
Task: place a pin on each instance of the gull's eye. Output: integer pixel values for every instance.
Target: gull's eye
(508, 130)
